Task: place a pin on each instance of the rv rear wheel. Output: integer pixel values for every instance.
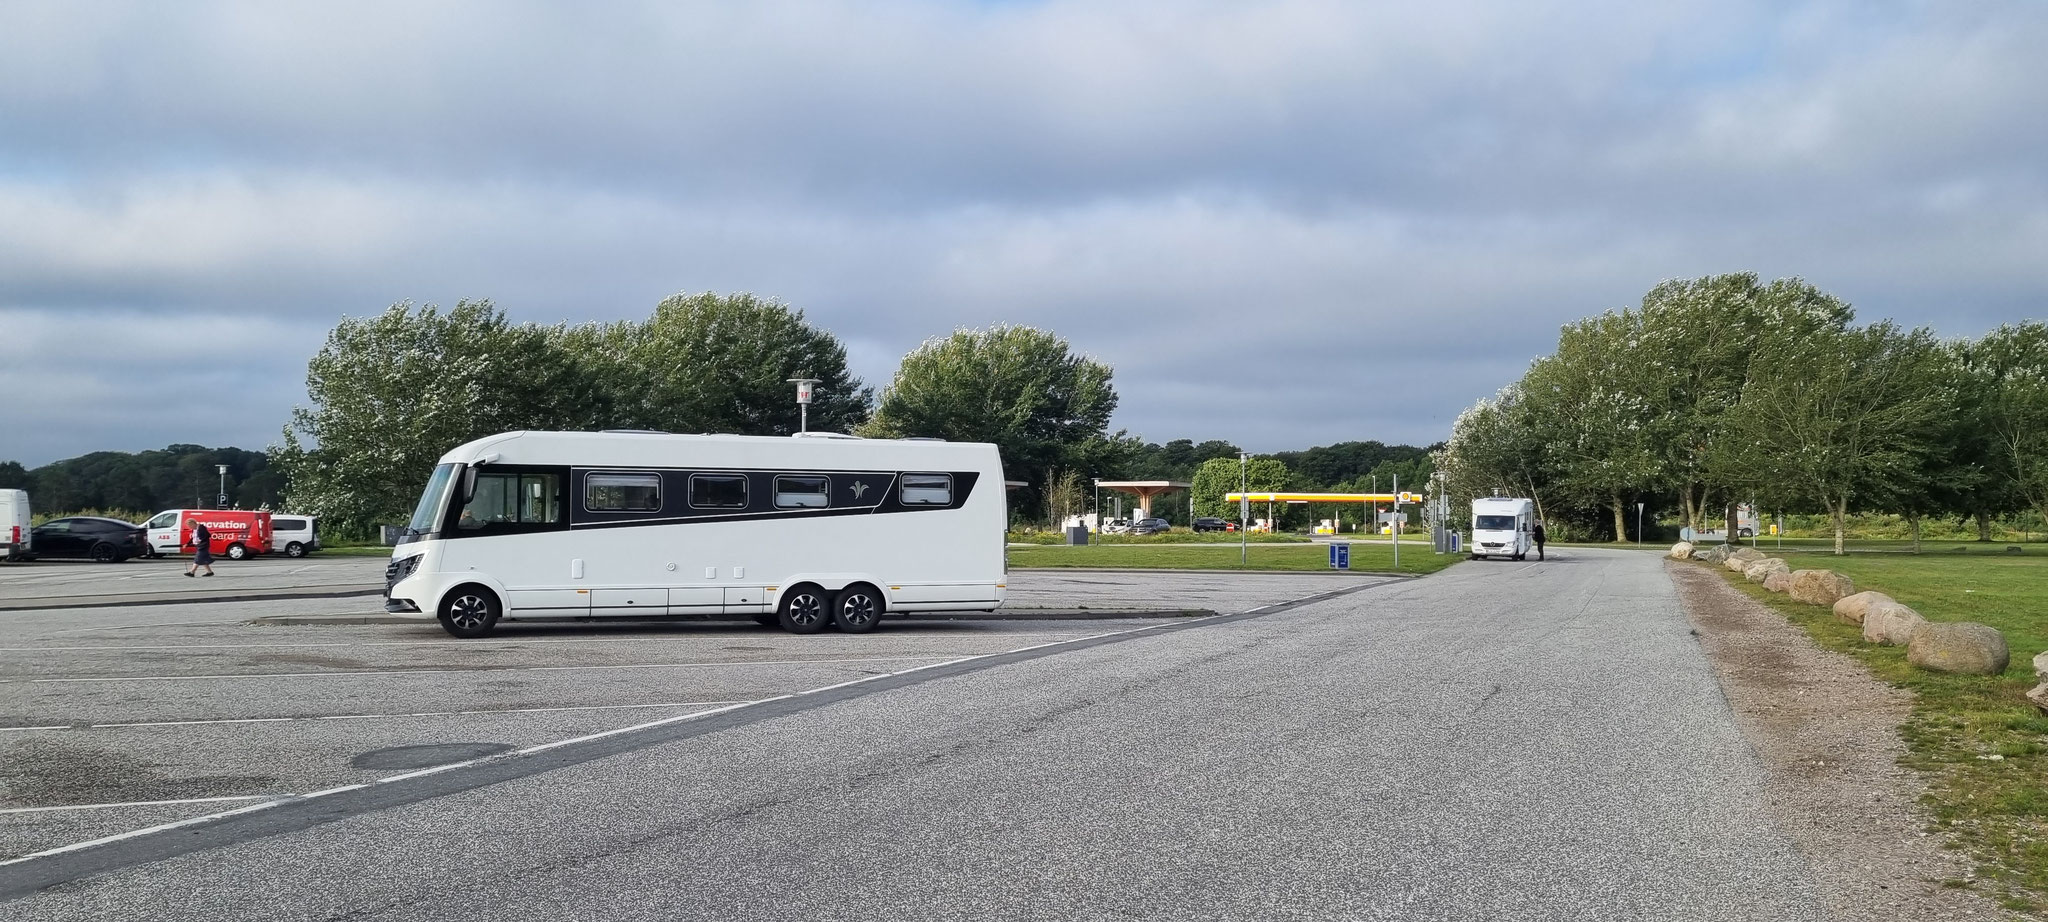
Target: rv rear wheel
(237, 552)
(857, 609)
(469, 612)
(803, 610)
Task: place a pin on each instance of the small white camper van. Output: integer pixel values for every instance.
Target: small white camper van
(1501, 527)
(14, 525)
(807, 532)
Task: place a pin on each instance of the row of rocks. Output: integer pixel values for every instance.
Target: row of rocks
(1959, 647)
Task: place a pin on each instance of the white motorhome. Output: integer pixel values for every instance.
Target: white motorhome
(808, 531)
(1501, 527)
(14, 525)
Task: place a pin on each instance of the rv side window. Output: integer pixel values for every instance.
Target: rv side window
(513, 499)
(927, 490)
(622, 492)
(792, 492)
(718, 491)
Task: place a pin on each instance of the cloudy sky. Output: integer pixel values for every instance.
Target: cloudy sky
(1284, 224)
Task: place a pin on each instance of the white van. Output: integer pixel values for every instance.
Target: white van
(295, 535)
(1501, 527)
(804, 532)
(15, 539)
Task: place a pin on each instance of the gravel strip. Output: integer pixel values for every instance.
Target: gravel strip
(1827, 733)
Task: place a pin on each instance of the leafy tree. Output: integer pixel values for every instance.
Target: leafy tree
(2009, 368)
(1022, 389)
(1842, 419)
(720, 363)
(1219, 477)
(13, 476)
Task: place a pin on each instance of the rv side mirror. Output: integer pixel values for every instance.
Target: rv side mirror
(468, 485)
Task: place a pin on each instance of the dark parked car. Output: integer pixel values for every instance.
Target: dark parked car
(89, 538)
(1149, 526)
(1207, 523)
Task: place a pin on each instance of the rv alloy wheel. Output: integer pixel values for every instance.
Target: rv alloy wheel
(803, 610)
(858, 609)
(470, 612)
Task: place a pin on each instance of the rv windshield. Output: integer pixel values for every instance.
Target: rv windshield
(427, 516)
(1493, 523)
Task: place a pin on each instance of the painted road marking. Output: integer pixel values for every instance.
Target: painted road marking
(342, 673)
(139, 803)
(478, 712)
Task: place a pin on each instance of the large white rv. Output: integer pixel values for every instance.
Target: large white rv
(1501, 527)
(808, 531)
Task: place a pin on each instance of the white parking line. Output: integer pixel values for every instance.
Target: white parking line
(476, 712)
(138, 803)
(343, 673)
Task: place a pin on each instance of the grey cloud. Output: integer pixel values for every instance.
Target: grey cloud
(1284, 223)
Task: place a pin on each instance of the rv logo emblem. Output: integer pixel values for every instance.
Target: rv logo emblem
(860, 488)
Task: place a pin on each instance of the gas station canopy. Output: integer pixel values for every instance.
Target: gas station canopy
(1144, 490)
(1403, 497)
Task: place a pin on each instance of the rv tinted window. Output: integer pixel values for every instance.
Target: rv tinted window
(1494, 523)
(513, 499)
(802, 492)
(622, 492)
(718, 491)
(927, 489)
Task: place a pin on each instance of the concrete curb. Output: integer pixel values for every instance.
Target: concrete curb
(165, 598)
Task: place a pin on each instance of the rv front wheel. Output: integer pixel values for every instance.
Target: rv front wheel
(857, 609)
(803, 610)
(469, 612)
(237, 551)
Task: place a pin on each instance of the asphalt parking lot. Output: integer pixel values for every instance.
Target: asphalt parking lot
(126, 716)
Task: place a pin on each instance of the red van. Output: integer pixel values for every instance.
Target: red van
(236, 534)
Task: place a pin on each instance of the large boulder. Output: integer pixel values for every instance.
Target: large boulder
(1891, 623)
(1762, 570)
(1778, 581)
(2039, 694)
(1716, 555)
(1740, 559)
(1853, 607)
(1681, 551)
(1820, 587)
(1960, 646)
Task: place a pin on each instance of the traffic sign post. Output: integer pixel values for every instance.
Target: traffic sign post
(1340, 555)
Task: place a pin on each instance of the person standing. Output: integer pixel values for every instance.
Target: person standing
(1537, 533)
(202, 549)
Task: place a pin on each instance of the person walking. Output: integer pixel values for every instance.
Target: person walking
(202, 550)
(1537, 533)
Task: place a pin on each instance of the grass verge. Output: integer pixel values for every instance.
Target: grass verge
(1977, 739)
(1373, 558)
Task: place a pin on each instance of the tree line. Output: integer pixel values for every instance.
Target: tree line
(139, 484)
(1726, 389)
(388, 394)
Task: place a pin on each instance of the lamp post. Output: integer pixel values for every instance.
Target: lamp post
(803, 402)
(1244, 505)
(1639, 525)
(223, 501)
(1394, 530)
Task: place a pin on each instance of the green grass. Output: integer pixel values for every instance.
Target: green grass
(1372, 558)
(1176, 536)
(363, 550)
(1997, 810)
